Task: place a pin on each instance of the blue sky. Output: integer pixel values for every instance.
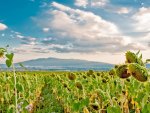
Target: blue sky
(97, 30)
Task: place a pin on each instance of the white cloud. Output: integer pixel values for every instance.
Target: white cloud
(80, 20)
(81, 31)
(19, 36)
(60, 6)
(99, 2)
(3, 26)
(123, 10)
(145, 39)
(27, 40)
(142, 20)
(81, 3)
(93, 3)
(45, 29)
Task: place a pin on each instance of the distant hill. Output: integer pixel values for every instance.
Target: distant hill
(65, 64)
(54, 64)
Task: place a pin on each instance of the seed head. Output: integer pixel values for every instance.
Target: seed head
(122, 71)
(71, 76)
(79, 85)
(138, 72)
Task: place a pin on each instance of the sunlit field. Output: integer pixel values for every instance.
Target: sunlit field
(73, 92)
(123, 89)
(74, 56)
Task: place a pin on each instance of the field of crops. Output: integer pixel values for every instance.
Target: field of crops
(73, 92)
(124, 89)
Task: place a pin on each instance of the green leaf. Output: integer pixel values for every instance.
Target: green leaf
(9, 59)
(146, 108)
(21, 65)
(11, 109)
(138, 52)
(76, 106)
(8, 63)
(140, 56)
(27, 94)
(114, 109)
(85, 102)
(25, 103)
(10, 56)
(2, 50)
(19, 87)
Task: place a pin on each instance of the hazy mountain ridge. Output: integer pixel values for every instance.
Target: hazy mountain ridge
(65, 64)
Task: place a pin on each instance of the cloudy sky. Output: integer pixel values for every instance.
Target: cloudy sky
(95, 30)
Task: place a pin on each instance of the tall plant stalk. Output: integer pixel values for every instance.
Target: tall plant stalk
(15, 86)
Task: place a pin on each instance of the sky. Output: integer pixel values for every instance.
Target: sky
(94, 30)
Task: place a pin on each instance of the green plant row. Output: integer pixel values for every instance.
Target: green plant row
(124, 89)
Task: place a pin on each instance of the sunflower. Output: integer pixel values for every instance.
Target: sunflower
(122, 71)
(2, 51)
(139, 72)
(79, 85)
(71, 76)
(133, 58)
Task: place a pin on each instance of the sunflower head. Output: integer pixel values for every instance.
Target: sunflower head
(71, 76)
(2, 51)
(122, 71)
(112, 72)
(95, 106)
(139, 72)
(133, 58)
(79, 85)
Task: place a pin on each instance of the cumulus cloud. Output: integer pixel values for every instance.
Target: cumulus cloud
(82, 31)
(77, 20)
(142, 19)
(145, 39)
(101, 4)
(3, 26)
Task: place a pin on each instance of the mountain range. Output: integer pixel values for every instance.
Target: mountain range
(53, 64)
(65, 64)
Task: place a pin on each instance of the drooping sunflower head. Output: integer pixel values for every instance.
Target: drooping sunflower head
(138, 72)
(122, 71)
(79, 85)
(95, 106)
(112, 72)
(2, 51)
(71, 76)
(133, 58)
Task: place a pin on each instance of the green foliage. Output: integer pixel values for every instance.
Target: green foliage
(133, 66)
(9, 56)
(77, 92)
(138, 71)
(2, 51)
(134, 58)
(122, 71)
(9, 59)
(114, 109)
